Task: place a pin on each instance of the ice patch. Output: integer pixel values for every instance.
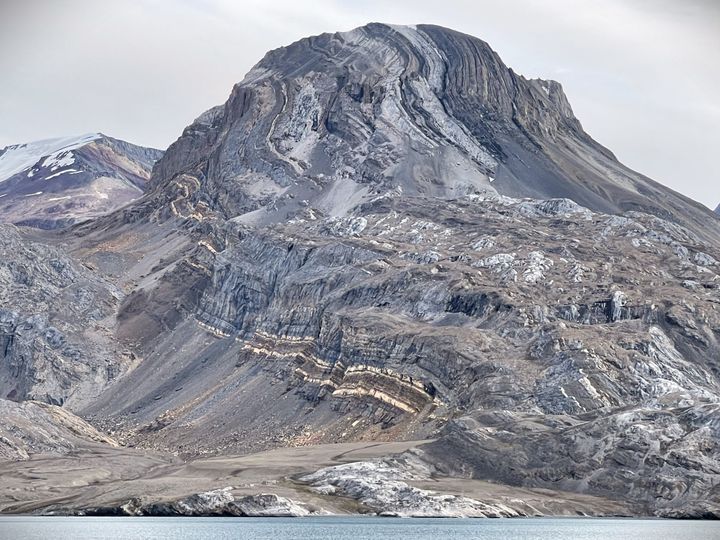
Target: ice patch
(60, 159)
(66, 171)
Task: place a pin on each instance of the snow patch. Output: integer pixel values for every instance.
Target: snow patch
(66, 171)
(57, 160)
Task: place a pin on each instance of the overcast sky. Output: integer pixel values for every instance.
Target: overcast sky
(643, 76)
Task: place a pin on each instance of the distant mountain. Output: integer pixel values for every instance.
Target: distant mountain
(717, 210)
(57, 182)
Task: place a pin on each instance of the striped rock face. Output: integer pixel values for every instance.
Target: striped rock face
(330, 122)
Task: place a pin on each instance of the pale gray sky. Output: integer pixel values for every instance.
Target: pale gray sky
(642, 75)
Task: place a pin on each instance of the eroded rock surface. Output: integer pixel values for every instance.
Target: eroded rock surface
(335, 120)
(222, 503)
(382, 486)
(56, 342)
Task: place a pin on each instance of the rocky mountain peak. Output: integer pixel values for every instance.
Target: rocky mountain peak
(331, 122)
(437, 56)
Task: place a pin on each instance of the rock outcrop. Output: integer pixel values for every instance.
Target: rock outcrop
(383, 487)
(33, 427)
(219, 502)
(58, 182)
(56, 342)
(335, 120)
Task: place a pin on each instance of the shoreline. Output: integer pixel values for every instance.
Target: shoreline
(370, 479)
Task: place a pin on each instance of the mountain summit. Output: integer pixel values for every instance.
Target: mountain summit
(335, 120)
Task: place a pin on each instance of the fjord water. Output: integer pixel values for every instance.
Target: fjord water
(350, 528)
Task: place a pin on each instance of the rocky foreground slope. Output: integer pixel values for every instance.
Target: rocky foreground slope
(58, 182)
(34, 427)
(387, 235)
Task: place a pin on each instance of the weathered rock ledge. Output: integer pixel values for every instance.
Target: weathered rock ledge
(219, 502)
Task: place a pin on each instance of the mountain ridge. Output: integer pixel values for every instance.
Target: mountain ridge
(57, 182)
(496, 137)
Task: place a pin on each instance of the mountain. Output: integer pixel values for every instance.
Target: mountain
(57, 182)
(332, 121)
(717, 210)
(383, 237)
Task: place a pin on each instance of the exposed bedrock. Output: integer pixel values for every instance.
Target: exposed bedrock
(662, 459)
(423, 316)
(220, 502)
(333, 121)
(56, 342)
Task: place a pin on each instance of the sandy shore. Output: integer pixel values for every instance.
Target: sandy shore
(102, 476)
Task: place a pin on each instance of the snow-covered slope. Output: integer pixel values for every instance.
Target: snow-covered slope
(56, 182)
(53, 153)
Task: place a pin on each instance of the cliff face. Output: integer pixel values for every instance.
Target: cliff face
(56, 342)
(386, 234)
(540, 326)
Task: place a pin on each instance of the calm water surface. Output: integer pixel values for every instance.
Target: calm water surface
(352, 528)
